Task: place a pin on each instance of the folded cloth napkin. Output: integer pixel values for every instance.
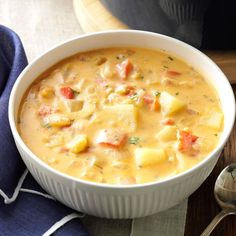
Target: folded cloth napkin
(25, 208)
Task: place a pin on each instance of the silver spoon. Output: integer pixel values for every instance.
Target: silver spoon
(225, 194)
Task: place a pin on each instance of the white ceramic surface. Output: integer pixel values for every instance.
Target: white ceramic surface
(111, 201)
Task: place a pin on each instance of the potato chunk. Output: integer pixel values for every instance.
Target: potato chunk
(215, 120)
(73, 105)
(106, 71)
(168, 133)
(87, 110)
(78, 144)
(123, 116)
(149, 156)
(46, 92)
(57, 120)
(169, 104)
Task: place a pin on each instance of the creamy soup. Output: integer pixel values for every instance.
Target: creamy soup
(121, 116)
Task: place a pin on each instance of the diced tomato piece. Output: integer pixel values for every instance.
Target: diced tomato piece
(148, 99)
(186, 141)
(124, 68)
(153, 103)
(172, 73)
(111, 138)
(46, 110)
(130, 90)
(67, 92)
(168, 121)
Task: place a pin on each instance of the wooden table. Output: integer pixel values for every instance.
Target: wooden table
(202, 206)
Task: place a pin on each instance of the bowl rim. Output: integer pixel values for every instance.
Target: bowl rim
(163, 181)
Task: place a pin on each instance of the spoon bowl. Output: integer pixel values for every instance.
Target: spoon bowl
(225, 195)
(225, 188)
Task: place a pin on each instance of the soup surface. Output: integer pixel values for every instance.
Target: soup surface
(121, 116)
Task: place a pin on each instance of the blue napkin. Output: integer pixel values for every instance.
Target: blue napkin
(29, 214)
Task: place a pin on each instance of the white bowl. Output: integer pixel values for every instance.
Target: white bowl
(112, 201)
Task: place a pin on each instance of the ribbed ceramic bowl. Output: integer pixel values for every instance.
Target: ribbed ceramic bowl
(112, 201)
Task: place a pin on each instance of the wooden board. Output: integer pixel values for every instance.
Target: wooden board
(93, 17)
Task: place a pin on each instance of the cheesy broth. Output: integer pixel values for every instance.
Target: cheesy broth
(121, 116)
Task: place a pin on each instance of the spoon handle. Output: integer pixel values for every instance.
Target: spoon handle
(216, 220)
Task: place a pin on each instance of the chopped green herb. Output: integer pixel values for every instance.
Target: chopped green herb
(177, 93)
(156, 93)
(98, 166)
(216, 134)
(171, 58)
(134, 96)
(134, 140)
(142, 77)
(120, 57)
(75, 92)
(212, 100)
(166, 67)
(47, 126)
